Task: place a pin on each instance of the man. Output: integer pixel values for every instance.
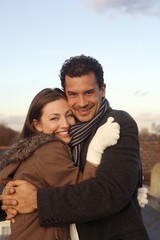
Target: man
(104, 207)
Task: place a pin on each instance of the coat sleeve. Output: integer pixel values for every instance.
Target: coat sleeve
(108, 193)
(2, 213)
(54, 166)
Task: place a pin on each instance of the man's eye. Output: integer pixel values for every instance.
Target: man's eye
(72, 94)
(89, 93)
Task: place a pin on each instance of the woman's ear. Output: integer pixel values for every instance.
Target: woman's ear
(37, 125)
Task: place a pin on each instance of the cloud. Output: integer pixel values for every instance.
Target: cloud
(128, 7)
(140, 93)
(147, 120)
(149, 117)
(13, 121)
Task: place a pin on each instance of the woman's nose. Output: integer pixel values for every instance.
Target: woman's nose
(65, 123)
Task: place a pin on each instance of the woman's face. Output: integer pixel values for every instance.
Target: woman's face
(56, 118)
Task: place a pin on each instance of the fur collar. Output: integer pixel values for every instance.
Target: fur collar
(23, 149)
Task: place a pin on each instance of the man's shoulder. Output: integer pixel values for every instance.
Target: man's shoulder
(117, 115)
(120, 116)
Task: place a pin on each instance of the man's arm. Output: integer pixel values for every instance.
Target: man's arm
(107, 135)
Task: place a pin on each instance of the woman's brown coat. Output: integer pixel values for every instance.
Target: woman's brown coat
(44, 161)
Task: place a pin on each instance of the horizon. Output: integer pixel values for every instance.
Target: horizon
(16, 123)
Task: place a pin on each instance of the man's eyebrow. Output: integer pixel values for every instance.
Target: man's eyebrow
(86, 91)
(71, 91)
(90, 90)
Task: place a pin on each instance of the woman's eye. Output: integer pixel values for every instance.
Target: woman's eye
(70, 115)
(54, 119)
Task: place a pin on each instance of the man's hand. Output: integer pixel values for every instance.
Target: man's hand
(19, 196)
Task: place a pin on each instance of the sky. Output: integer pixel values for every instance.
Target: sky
(37, 36)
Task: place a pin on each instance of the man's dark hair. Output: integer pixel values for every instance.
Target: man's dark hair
(81, 65)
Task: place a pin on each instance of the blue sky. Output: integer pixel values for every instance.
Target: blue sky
(37, 36)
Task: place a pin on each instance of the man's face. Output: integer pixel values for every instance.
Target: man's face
(84, 96)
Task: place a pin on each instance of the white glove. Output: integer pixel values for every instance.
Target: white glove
(142, 196)
(105, 136)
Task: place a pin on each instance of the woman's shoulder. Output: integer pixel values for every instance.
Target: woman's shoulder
(55, 145)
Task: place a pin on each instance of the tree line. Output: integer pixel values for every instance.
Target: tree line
(7, 135)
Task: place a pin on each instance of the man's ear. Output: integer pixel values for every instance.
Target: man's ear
(103, 90)
(37, 125)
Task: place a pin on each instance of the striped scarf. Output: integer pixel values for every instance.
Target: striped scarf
(80, 131)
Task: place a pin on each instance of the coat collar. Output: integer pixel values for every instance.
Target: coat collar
(25, 148)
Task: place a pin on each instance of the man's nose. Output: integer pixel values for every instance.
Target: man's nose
(81, 101)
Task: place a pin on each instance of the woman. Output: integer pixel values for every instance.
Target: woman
(42, 156)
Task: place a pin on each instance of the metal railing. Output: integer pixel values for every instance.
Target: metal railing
(5, 230)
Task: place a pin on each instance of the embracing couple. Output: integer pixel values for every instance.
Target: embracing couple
(75, 167)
